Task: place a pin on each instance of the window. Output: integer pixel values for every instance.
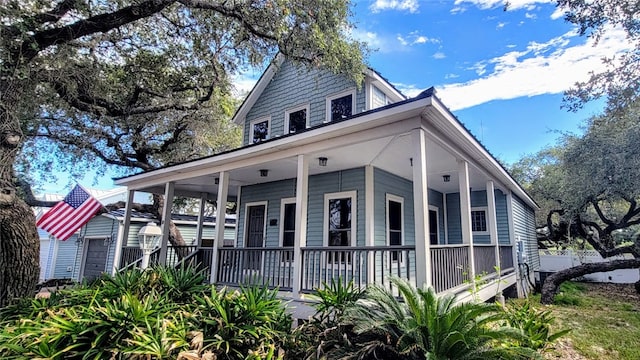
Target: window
(341, 106)
(479, 220)
(395, 216)
(378, 98)
(288, 226)
(296, 120)
(339, 221)
(259, 130)
(433, 225)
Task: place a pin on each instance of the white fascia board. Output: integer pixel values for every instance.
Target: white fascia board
(257, 90)
(458, 133)
(385, 84)
(229, 161)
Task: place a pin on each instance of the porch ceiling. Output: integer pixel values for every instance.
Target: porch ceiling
(390, 153)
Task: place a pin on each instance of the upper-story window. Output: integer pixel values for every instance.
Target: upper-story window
(259, 130)
(341, 106)
(296, 119)
(378, 98)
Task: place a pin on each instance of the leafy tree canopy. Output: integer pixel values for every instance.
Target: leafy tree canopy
(620, 83)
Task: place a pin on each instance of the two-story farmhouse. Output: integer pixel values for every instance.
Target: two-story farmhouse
(336, 180)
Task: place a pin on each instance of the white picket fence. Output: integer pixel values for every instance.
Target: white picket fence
(556, 260)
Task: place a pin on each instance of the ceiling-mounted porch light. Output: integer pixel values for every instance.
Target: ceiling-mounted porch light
(322, 161)
(264, 172)
(446, 178)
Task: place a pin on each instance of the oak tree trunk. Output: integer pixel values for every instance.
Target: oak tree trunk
(553, 281)
(19, 241)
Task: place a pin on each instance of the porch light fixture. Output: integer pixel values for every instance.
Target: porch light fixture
(264, 172)
(216, 181)
(322, 161)
(411, 161)
(148, 238)
(446, 178)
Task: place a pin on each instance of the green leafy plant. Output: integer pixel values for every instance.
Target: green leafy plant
(335, 298)
(535, 324)
(424, 325)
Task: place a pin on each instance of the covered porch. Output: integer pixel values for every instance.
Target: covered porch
(413, 157)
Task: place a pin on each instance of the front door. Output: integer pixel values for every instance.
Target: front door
(255, 236)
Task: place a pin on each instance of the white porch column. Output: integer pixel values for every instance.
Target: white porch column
(200, 225)
(421, 208)
(492, 221)
(166, 221)
(369, 217)
(221, 214)
(123, 232)
(300, 239)
(465, 214)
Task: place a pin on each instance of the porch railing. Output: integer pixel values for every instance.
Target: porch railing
(362, 264)
(484, 257)
(449, 266)
(272, 267)
(132, 255)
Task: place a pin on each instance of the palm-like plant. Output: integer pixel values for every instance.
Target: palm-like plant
(419, 324)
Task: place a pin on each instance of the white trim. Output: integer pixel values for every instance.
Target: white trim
(446, 218)
(353, 194)
(283, 202)
(382, 82)
(246, 221)
(486, 220)
(352, 92)
(369, 209)
(387, 98)
(237, 232)
(257, 121)
(437, 210)
(287, 112)
(259, 87)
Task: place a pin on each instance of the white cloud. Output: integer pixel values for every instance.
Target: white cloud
(410, 90)
(243, 83)
(490, 4)
(402, 40)
(501, 25)
(368, 37)
(420, 40)
(530, 15)
(542, 68)
(401, 5)
(439, 55)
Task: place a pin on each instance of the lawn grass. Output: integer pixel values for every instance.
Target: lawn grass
(604, 318)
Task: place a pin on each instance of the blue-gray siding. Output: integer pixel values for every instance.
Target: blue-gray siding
(478, 199)
(524, 227)
(292, 87)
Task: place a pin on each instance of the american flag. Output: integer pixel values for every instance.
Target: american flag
(75, 210)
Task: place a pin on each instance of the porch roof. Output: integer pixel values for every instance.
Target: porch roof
(352, 142)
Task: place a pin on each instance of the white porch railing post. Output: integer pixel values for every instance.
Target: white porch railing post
(465, 215)
(421, 208)
(221, 212)
(166, 222)
(300, 237)
(123, 232)
(200, 227)
(493, 221)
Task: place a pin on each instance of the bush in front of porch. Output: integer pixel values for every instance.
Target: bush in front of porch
(162, 313)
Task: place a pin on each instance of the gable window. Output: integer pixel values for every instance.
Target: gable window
(479, 220)
(288, 226)
(341, 106)
(296, 120)
(259, 130)
(395, 217)
(378, 98)
(339, 223)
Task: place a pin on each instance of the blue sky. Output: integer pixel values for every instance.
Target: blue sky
(501, 72)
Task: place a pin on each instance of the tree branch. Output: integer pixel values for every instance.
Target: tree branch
(29, 198)
(95, 24)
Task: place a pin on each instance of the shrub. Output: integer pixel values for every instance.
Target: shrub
(535, 324)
